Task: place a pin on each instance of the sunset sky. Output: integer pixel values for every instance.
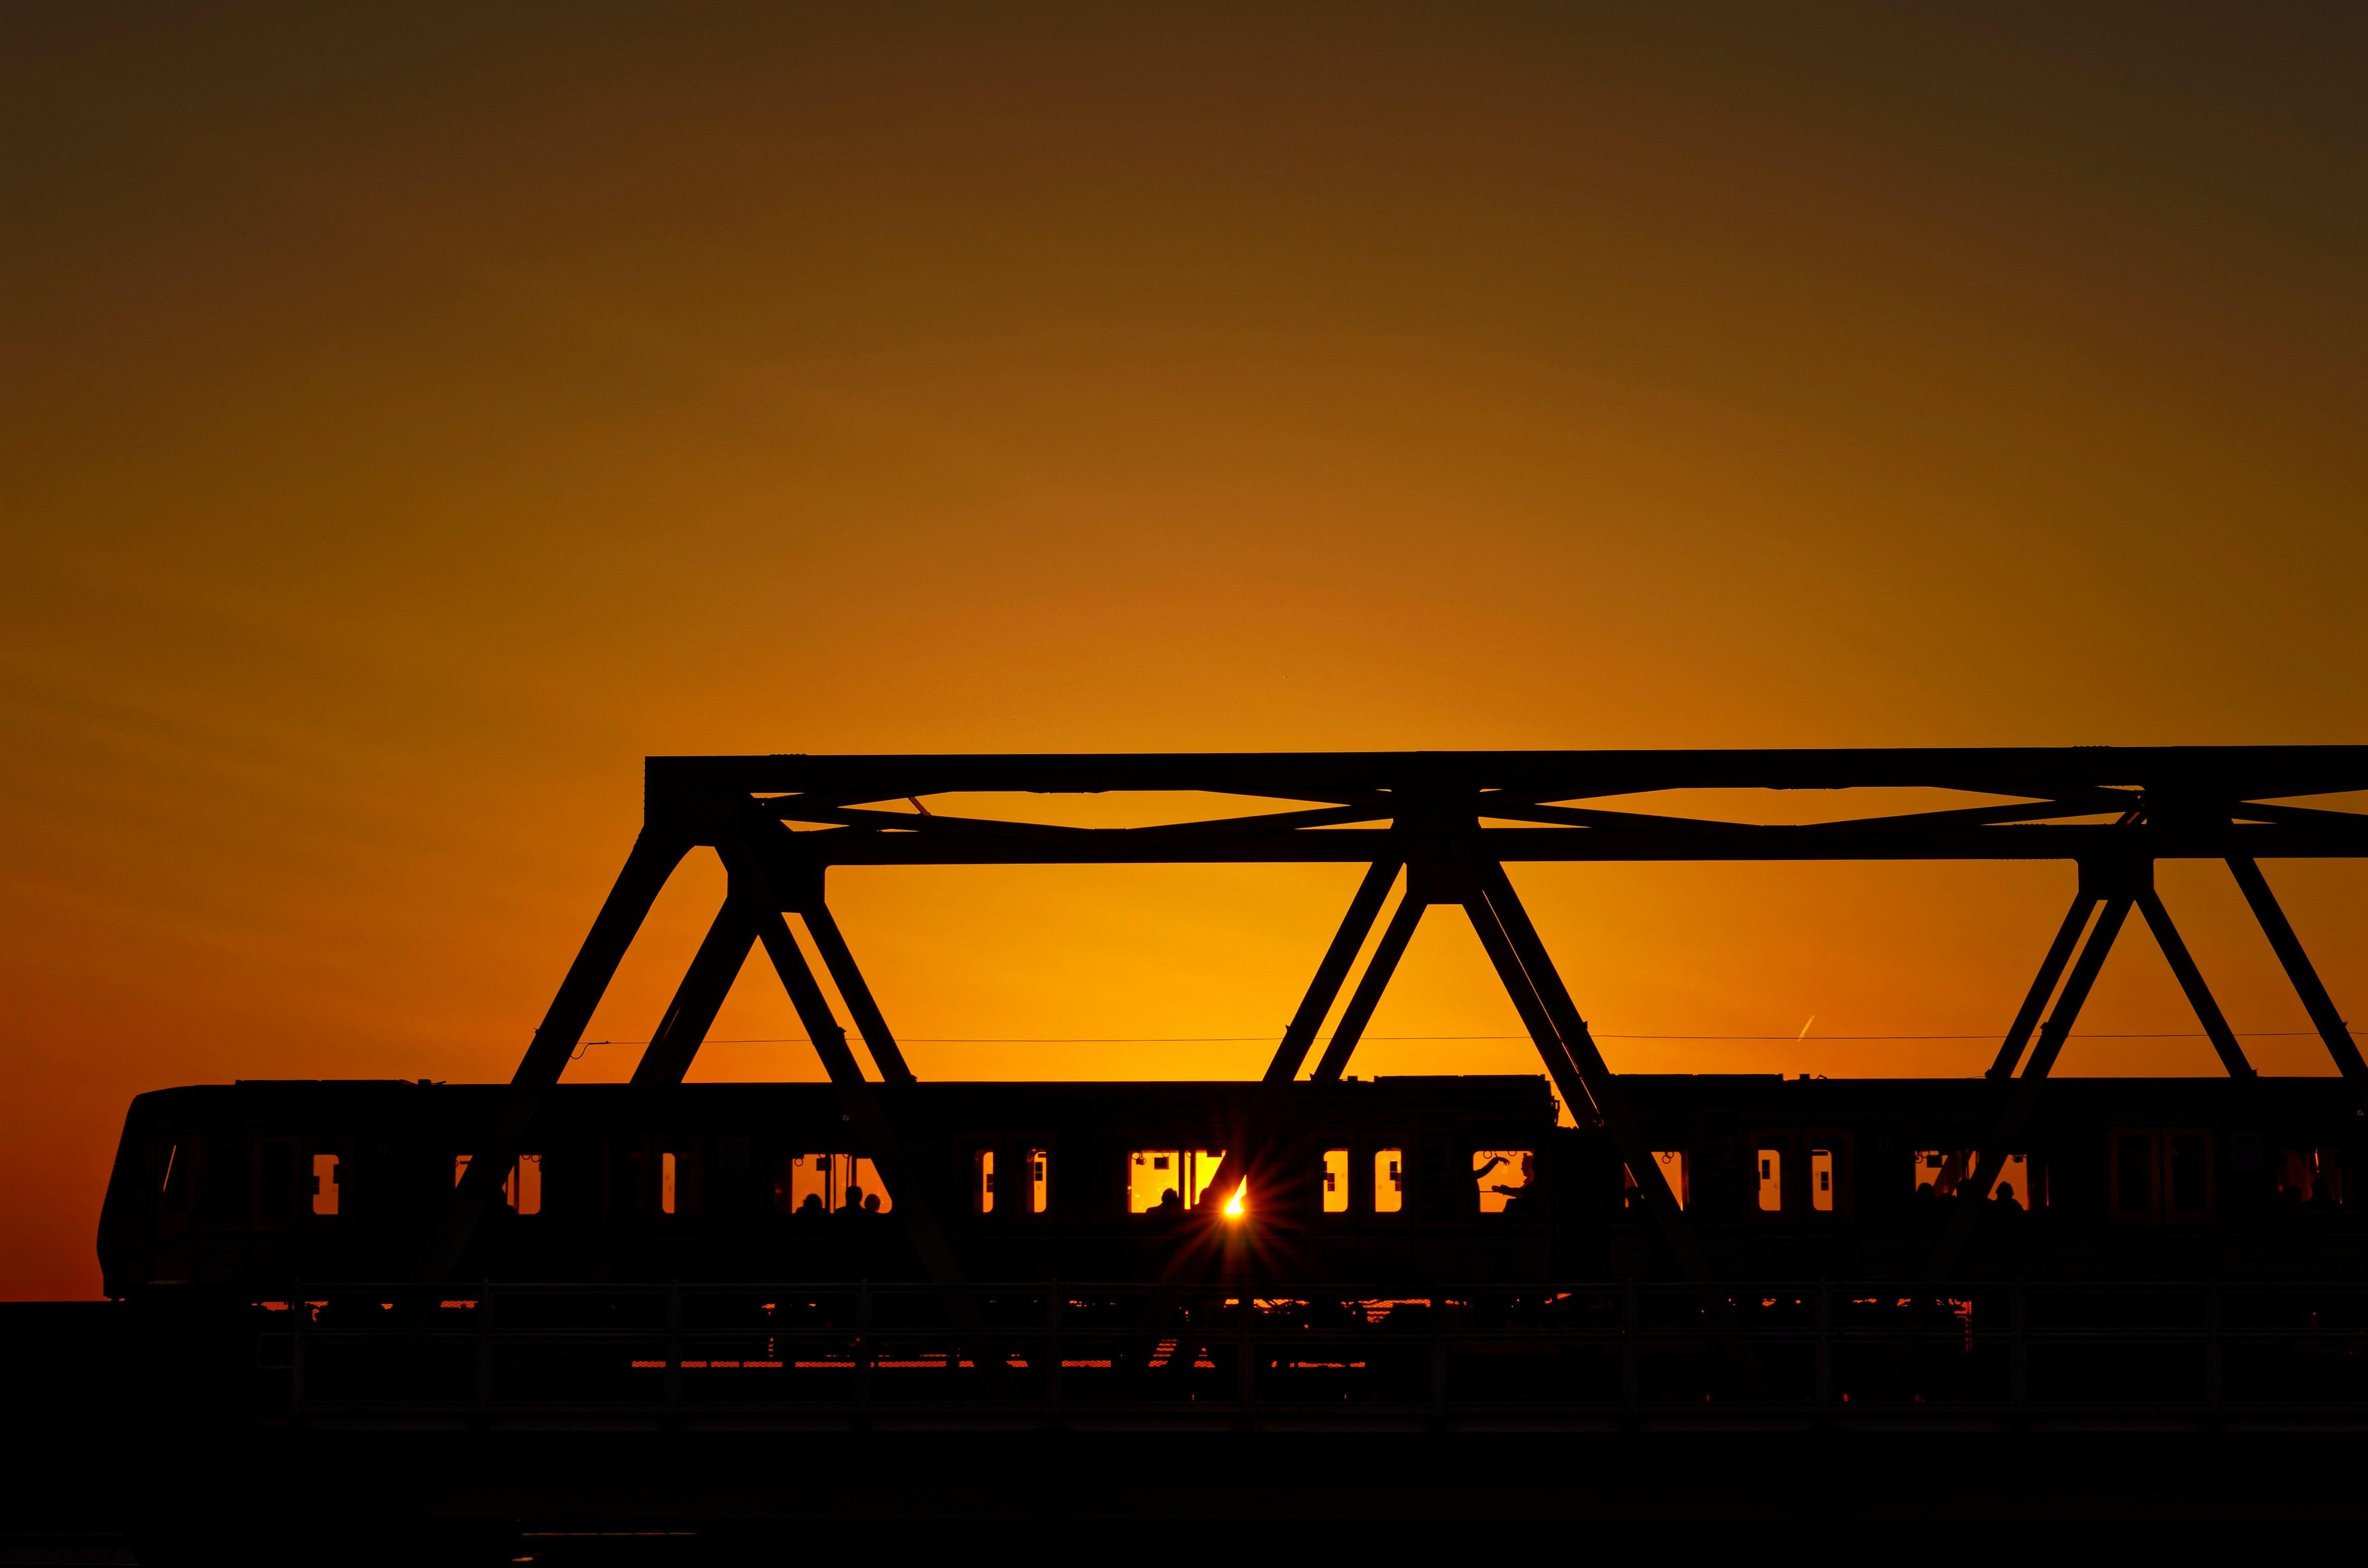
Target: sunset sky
(412, 416)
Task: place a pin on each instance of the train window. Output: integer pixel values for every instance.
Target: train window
(1772, 1181)
(1335, 1181)
(275, 1179)
(1945, 1170)
(627, 1177)
(667, 1165)
(1169, 1179)
(1821, 1180)
(523, 1190)
(981, 1186)
(863, 1188)
(1505, 1178)
(1672, 1162)
(829, 1184)
(2132, 1171)
(1389, 1180)
(1039, 1186)
(2308, 1178)
(325, 1170)
(801, 1184)
(173, 1189)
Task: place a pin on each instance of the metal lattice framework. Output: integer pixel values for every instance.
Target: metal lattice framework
(1448, 822)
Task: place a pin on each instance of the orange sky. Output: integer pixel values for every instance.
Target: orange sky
(414, 417)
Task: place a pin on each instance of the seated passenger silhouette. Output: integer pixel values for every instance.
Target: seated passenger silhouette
(1516, 1197)
(871, 1203)
(2004, 1196)
(2322, 1195)
(812, 1205)
(1927, 1200)
(1170, 1202)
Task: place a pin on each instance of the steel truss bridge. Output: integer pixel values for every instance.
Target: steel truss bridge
(1444, 824)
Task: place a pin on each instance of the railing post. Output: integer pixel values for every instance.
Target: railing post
(298, 1311)
(485, 1347)
(1245, 1375)
(1438, 1356)
(1629, 1354)
(674, 1344)
(1052, 1349)
(1825, 1345)
(2019, 1354)
(863, 1352)
(2214, 1385)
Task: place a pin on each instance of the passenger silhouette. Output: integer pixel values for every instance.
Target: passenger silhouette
(871, 1203)
(812, 1204)
(1170, 1202)
(2322, 1195)
(2004, 1198)
(1928, 1202)
(854, 1204)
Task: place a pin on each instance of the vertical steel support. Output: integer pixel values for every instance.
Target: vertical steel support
(1370, 986)
(868, 1023)
(2306, 983)
(2190, 980)
(2042, 985)
(682, 1028)
(654, 856)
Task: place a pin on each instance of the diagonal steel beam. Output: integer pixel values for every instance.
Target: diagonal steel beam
(1324, 988)
(912, 1207)
(682, 1028)
(1579, 1070)
(1267, 1105)
(2306, 983)
(653, 857)
(1264, 1114)
(1370, 986)
(2190, 980)
(2042, 984)
(2024, 1094)
(869, 1021)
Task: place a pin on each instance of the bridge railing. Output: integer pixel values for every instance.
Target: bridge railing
(1510, 1356)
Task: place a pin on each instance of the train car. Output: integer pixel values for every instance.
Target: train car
(256, 1185)
(2119, 1178)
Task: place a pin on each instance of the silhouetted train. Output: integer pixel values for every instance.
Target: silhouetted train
(254, 1186)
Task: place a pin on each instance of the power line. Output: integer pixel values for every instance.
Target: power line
(1262, 1039)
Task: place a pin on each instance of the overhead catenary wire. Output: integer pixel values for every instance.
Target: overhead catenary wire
(1599, 1034)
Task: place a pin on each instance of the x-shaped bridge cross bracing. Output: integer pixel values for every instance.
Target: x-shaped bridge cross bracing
(780, 823)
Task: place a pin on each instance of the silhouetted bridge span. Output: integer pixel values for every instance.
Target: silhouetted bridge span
(694, 1288)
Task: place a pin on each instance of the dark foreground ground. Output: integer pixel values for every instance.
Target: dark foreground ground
(99, 1470)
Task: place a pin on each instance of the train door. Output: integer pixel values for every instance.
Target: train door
(2134, 1177)
(275, 1182)
(2162, 1176)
